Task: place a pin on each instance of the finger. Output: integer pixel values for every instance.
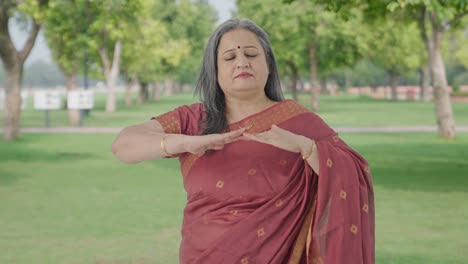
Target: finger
(255, 137)
(232, 135)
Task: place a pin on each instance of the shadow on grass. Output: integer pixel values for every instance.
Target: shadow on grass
(20, 153)
(9, 177)
(33, 155)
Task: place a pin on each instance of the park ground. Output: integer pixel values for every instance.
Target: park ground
(65, 199)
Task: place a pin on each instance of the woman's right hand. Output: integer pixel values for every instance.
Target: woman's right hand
(200, 144)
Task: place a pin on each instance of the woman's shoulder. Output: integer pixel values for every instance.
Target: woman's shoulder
(192, 108)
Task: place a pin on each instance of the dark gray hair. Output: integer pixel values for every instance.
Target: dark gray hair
(207, 87)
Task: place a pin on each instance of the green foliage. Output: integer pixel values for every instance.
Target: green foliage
(76, 26)
(169, 41)
(292, 28)
(191, 23)
(35, 9)
(279, 21)
(66, 34)
(396, 47)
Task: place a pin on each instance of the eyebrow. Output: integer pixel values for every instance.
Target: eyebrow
(244, 47)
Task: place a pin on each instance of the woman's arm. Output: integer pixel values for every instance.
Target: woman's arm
(308, 149)
(289, 141)
(144, 142)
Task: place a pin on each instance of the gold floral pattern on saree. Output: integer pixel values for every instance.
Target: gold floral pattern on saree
(365, 208)
(329, 163)
(354, 229)
(343, 195)
(220, 184)
(261, 232)
(283, 162)
(274, 115)
(279, 203)
(252, 172)
(234, 212)
(245, 260)
(169, 122)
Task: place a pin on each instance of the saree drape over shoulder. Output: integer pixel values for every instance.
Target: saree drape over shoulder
(255, 203)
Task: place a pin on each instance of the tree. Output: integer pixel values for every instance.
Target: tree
(194, 21)
(109, 24)
(441, 16)
(64, 31)
(32, 12)
(395, 48)
(434, 17)
(324, 39)
(152, 48)
(189, 22)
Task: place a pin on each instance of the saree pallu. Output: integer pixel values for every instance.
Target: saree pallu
(255, 203)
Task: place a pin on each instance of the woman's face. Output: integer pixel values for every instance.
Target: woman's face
(242, 66)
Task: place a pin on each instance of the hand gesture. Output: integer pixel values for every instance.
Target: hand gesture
(200, 144)
(279, 138)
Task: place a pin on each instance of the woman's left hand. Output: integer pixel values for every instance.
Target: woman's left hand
(280, 138)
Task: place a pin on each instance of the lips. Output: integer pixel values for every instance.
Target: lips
(244, 75)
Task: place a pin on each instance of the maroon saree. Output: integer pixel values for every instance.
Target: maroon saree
(255, 203)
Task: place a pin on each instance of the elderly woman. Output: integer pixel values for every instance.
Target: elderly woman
(267, 181)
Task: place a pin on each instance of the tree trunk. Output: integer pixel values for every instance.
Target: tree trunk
(177, 87)
(156, 92)
(394, 80)
(143, 95)
(168, 87)
(425, 82)
(443, 105)
(12, 110)
(70, 84)
(111, 73)
(323, 86)
(131, 83)
(294, 78)
(315, 89)
(301, 84)
(13, 61)
(347, 82)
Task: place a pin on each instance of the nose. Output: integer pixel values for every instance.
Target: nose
(242, 63)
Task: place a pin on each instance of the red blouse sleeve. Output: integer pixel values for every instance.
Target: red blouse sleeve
(182, 120)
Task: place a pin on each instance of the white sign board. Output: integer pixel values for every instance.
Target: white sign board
(47, 100)
(80, 99)
(24, 99)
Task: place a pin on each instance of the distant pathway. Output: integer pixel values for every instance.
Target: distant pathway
(115, 130)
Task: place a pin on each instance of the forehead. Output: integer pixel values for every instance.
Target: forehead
(238, 38)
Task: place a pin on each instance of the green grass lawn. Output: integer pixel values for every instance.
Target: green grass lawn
(337, 111)
(66, 199)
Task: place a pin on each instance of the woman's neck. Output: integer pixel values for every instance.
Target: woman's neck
(238, 109)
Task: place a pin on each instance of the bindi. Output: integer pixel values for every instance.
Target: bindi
(238, 47)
